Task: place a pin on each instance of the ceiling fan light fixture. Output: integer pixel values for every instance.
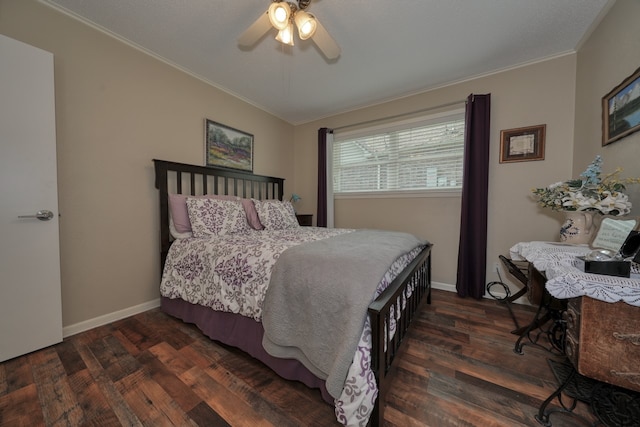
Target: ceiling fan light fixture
(306, 24)
(285, 35)
(284, 15)
(279, 14)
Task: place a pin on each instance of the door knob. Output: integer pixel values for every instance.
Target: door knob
(42, 215)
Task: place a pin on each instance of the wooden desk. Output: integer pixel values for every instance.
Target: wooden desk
(603, 341)
(603, 348)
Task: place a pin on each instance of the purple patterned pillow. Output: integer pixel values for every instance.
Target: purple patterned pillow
(180, 224)
(214, 217)
(276, 215)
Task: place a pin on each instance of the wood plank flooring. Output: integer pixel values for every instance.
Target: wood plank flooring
(457, 368)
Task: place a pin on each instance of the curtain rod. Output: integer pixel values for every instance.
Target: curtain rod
(397, 116)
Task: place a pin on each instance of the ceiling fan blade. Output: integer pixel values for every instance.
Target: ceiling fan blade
(255, 31)
(325, 42)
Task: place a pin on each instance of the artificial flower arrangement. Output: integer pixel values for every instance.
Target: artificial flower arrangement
(590, 192)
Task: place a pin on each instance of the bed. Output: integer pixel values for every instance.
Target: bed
(353, 376)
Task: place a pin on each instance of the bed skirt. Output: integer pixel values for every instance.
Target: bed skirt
(244, 333)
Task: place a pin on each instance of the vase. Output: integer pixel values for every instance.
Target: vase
(577, 227)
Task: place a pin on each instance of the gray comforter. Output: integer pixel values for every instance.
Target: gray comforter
(316, 304)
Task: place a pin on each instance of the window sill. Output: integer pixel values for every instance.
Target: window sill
(400, 194)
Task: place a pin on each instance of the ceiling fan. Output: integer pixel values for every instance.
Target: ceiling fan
(282, 15)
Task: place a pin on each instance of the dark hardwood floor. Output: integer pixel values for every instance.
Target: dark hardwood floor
(457, 368)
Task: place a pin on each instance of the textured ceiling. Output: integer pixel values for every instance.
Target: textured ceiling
(389, 48)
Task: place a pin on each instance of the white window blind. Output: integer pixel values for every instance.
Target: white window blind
(420, 154)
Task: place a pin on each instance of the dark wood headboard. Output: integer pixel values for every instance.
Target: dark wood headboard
(182, 178)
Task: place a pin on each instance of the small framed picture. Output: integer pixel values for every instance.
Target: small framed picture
(227, 147)
(621, 110)
(522, 144)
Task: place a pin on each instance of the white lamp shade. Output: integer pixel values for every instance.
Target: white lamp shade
(286, 35)
(306, 24)
(279, 14)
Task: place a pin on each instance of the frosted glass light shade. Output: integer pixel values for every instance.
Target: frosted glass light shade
(306, 24)
(286, 35)
(279, 14)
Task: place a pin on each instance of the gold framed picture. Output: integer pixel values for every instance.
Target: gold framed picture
(522, 144)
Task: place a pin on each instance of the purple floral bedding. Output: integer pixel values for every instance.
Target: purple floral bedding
(232, 272)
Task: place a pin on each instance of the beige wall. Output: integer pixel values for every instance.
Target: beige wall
(564, 93)
(541, 93)
(608, 57)
(117, 109)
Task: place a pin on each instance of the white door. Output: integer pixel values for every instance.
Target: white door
(30, 299)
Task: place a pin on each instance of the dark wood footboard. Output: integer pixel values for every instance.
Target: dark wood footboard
(417, 276)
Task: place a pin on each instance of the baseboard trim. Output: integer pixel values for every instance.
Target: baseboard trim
(70, 330)
(500, 294)
(67, 331)
(443, 286)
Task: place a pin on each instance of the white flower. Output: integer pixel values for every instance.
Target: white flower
(586, 202)
(615, 201)
(578, 201)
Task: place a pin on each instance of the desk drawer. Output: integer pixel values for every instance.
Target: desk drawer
(572, 316)
(609, 342)
(572, 348)
(572, 338)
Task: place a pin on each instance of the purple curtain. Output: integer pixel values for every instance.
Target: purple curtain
(321, 220)
(472, 249)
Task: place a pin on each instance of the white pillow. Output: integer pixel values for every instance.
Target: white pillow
(214, 217)
(276, 215)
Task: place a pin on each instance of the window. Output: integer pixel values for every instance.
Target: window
(422, 154)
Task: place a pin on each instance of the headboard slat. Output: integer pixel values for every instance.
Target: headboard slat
(169, 172)
(178, 183)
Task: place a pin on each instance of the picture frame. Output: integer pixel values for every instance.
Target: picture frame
(522, 144)
(227, 147)
(621, 110)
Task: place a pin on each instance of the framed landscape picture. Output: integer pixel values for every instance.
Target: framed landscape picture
(227, 147)
(621, 110)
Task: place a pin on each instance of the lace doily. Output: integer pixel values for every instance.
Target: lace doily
(565, 279)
